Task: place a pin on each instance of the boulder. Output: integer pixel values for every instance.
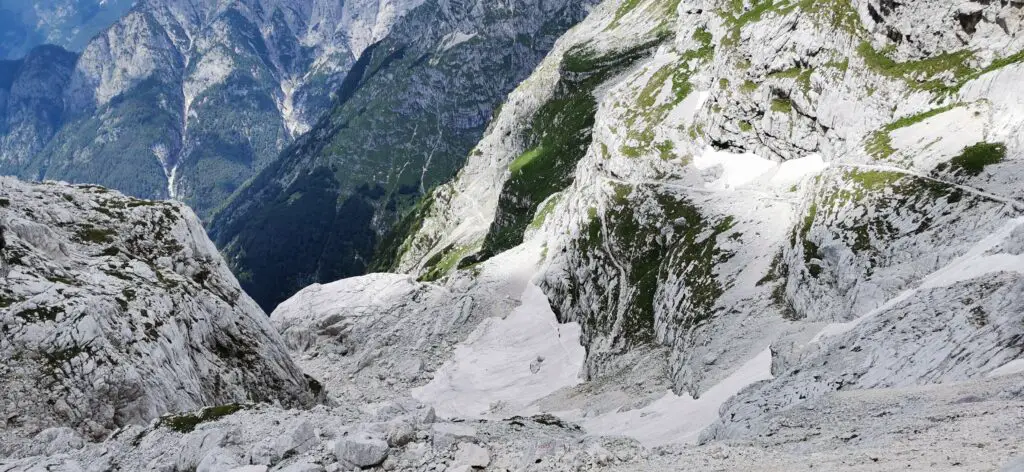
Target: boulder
(361, 449)
(56, 441)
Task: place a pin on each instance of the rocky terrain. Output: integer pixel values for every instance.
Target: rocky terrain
(701, 235)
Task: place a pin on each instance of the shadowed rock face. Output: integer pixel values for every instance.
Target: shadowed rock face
(32, 103)
(118, 310)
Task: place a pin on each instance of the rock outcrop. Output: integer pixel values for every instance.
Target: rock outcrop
(116, 311)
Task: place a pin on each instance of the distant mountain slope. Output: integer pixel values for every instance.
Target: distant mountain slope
(32, 102)
(25, 24)
(188, 99)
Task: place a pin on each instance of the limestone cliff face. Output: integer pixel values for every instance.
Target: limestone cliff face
(116, 311)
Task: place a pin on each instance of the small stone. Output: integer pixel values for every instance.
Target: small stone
(388, 411)
(426, 415)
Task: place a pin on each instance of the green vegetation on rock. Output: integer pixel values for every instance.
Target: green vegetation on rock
(631, 236)
(942, 74)
(802, 76)
(921, 74)
(187, 422)
(444, 262)
(975, 158)
(651, 107)
(865, 210)
(559, 135)
(782, 105)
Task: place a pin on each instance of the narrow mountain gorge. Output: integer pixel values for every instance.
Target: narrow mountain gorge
(407, 114)
(626, 235)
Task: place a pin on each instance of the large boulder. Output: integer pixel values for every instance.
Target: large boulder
(361, 449)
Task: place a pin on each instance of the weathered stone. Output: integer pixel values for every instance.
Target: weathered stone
(361, 449)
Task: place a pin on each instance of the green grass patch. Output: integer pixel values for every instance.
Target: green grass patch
(525, 159)
(920, 74)
(546, 210)
(444, 262)
(782, 105)
(802, 76)
(667, 8)
(92, 234)
(187, 422)
(975, 158)
(874, 179)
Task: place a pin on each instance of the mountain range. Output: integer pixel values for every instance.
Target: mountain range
(543, 235)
